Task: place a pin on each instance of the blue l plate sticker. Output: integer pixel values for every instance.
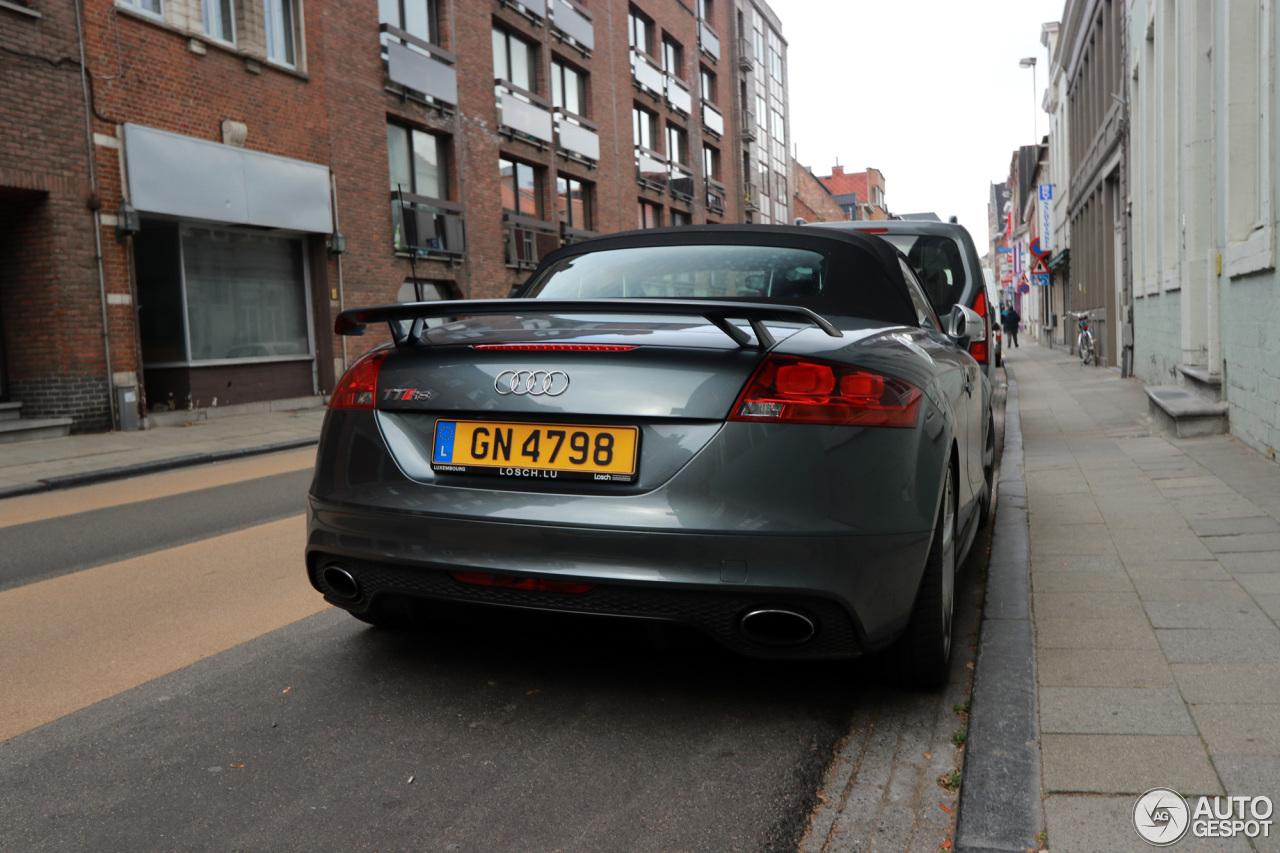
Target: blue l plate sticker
(445, 431)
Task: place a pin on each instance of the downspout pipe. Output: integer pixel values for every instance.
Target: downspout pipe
(97, 219)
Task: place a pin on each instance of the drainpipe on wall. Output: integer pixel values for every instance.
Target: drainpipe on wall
(97, 221)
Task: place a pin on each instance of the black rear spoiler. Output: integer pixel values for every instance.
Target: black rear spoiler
(353, 320)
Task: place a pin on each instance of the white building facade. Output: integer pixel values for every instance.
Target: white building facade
(1203, 188)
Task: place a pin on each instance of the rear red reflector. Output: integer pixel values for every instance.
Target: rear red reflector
(874, 230)
(527, 584)
(788, 389)
(555, 347)
(359, 385)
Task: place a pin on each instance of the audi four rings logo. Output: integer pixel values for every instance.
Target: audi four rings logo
(535, 383)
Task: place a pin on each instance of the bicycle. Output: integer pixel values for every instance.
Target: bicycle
(1084, 344)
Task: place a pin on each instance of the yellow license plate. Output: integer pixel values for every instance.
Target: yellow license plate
(536, 451)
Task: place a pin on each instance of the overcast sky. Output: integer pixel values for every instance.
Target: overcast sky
(927, 91)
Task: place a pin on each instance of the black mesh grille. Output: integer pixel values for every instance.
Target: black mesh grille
(715, 613)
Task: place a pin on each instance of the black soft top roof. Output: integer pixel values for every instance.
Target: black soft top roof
(864, 258)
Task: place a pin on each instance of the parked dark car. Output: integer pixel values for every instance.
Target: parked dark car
(763, 433)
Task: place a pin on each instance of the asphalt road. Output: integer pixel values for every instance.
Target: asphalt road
(173, 683)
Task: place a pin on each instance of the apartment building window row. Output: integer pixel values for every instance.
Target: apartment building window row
(263, 28)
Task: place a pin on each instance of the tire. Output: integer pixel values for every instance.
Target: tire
(988, 473)
(922, 655)
(1085, 349)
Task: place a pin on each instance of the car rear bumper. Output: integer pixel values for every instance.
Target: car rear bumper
(857, 590)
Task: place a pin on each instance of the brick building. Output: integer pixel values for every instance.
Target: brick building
(813, 202)
(244, 170)
(861, 194)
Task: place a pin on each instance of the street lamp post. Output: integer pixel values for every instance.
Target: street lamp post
(1030, 62)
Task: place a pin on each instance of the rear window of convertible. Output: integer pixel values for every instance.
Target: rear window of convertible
(851, 283)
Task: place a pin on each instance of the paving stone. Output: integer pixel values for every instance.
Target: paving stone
(1114, 710)
(1239, 729)
(892, 833)
(1154, 588)
(1251, 776)
(1075, 563)
(1184, 570)
(1075, 539)
(1229, 683)
(1244, 543)
(1126, 764)
(1042, 582)
(1103, 668)
(1250, 562)
(1204, 645)
(1094, 634)
(1084, 824)
(1039, 519)
(1261, 584)
(1207, 614)
(1087, 605)
(1234, 526)
(1152, 544)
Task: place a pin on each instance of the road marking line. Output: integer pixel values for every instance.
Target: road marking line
(74, 640)
(46, 505)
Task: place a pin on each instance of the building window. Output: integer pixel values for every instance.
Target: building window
(640, 30)
(707, 83)
(152, 7)
(418, 290)
(645, 127)
(279, 22)
(677, 144)
(219, 20)
(216, 294)
(775, 65)
(573, 203)
(521, 190)
(416, 17)
(650, 215)
(513, 60)
(415, 162)
(711, 162)
(568, 88)
(672, 57)
(679, 217)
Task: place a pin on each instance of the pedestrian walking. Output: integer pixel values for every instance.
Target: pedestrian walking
(1010, 318)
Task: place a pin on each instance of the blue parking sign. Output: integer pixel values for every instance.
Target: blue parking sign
(1046, 192)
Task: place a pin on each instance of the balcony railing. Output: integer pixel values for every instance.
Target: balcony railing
(715, 196)
(681, 185)
(577, 137)
(427, 226)
(748, 125)
(528, 240)
(575, 235)
(534, 10)
(744, 54)
(678, 96)
(418, 65)
(708, 40)
(645, 74)
(523, 113)
(651, 169)
(573, 22)
(712, 120)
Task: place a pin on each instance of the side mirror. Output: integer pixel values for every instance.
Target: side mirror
(964, 326)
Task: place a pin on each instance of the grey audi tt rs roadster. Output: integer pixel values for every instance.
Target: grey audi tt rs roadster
(763, 433)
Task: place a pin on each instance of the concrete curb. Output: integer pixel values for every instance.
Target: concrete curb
(1001, 806)
(122, 472)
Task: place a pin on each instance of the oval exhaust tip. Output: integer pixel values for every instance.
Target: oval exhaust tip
(340, 582)
(778, 627)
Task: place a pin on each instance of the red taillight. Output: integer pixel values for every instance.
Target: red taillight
(527, 584)
(555, 347)
(978, 349)
(358, 387)
(874, 230)
(795, 390)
